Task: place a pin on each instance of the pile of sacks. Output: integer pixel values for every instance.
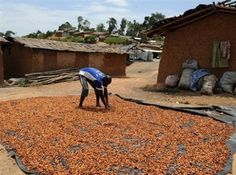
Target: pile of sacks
(201, 79)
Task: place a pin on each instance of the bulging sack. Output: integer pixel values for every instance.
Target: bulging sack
(171, 80)
(228, 82)
(185, 78)
(209, 82)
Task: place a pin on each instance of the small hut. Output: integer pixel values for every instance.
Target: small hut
(194, 34)
(27, 55)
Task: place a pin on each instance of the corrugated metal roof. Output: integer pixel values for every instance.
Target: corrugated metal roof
(69, 46)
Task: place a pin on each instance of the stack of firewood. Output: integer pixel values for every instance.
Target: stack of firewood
(62, 75)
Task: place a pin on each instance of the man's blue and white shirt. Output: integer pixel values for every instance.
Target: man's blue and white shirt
(94, 75)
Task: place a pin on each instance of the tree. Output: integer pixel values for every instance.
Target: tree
(112, 25)
(133, 28)
(123, 25)
(31, 35)
(92, 29)
(146, 22)
(65, 26)
(9, 33)
(100, 28)
(86, 25)
(80, 20)
(40, 34)
(48, 34)
(83, 24)
(155, 17)
(149, 21)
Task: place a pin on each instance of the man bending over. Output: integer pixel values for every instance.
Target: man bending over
(98, 80)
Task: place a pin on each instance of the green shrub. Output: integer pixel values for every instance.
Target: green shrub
(90, 39)
(76, 39)
(117, 40)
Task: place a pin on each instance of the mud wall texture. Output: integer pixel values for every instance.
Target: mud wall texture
(96, 60)
(1, 66)
(82, 59)
(109, 63)
(115, 64)
(195, 40)
(19, 60)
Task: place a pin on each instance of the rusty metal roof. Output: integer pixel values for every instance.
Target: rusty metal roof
(191, 15)
(69, 46)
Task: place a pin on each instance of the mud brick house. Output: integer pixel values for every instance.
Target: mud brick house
(2, 44)
(193, 34)
(27, 55)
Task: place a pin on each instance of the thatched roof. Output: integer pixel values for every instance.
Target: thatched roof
(69, 46)
(190, 16)
(3, 40)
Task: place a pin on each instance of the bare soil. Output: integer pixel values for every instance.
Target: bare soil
(139, 83)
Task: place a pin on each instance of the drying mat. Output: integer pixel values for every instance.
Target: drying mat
(50, 135)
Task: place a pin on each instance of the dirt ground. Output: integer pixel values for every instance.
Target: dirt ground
(139, 84)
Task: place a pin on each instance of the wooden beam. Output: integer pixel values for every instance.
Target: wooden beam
(223, 2)
(191, 21)
(225, 8)
(230, 3)
(227, 11)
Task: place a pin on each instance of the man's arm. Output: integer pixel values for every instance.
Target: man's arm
(101, 95)
(106, 95)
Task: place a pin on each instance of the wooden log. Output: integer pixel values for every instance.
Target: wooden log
(48, 77)
(52, 76)
(53, 80)
(52, 72)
